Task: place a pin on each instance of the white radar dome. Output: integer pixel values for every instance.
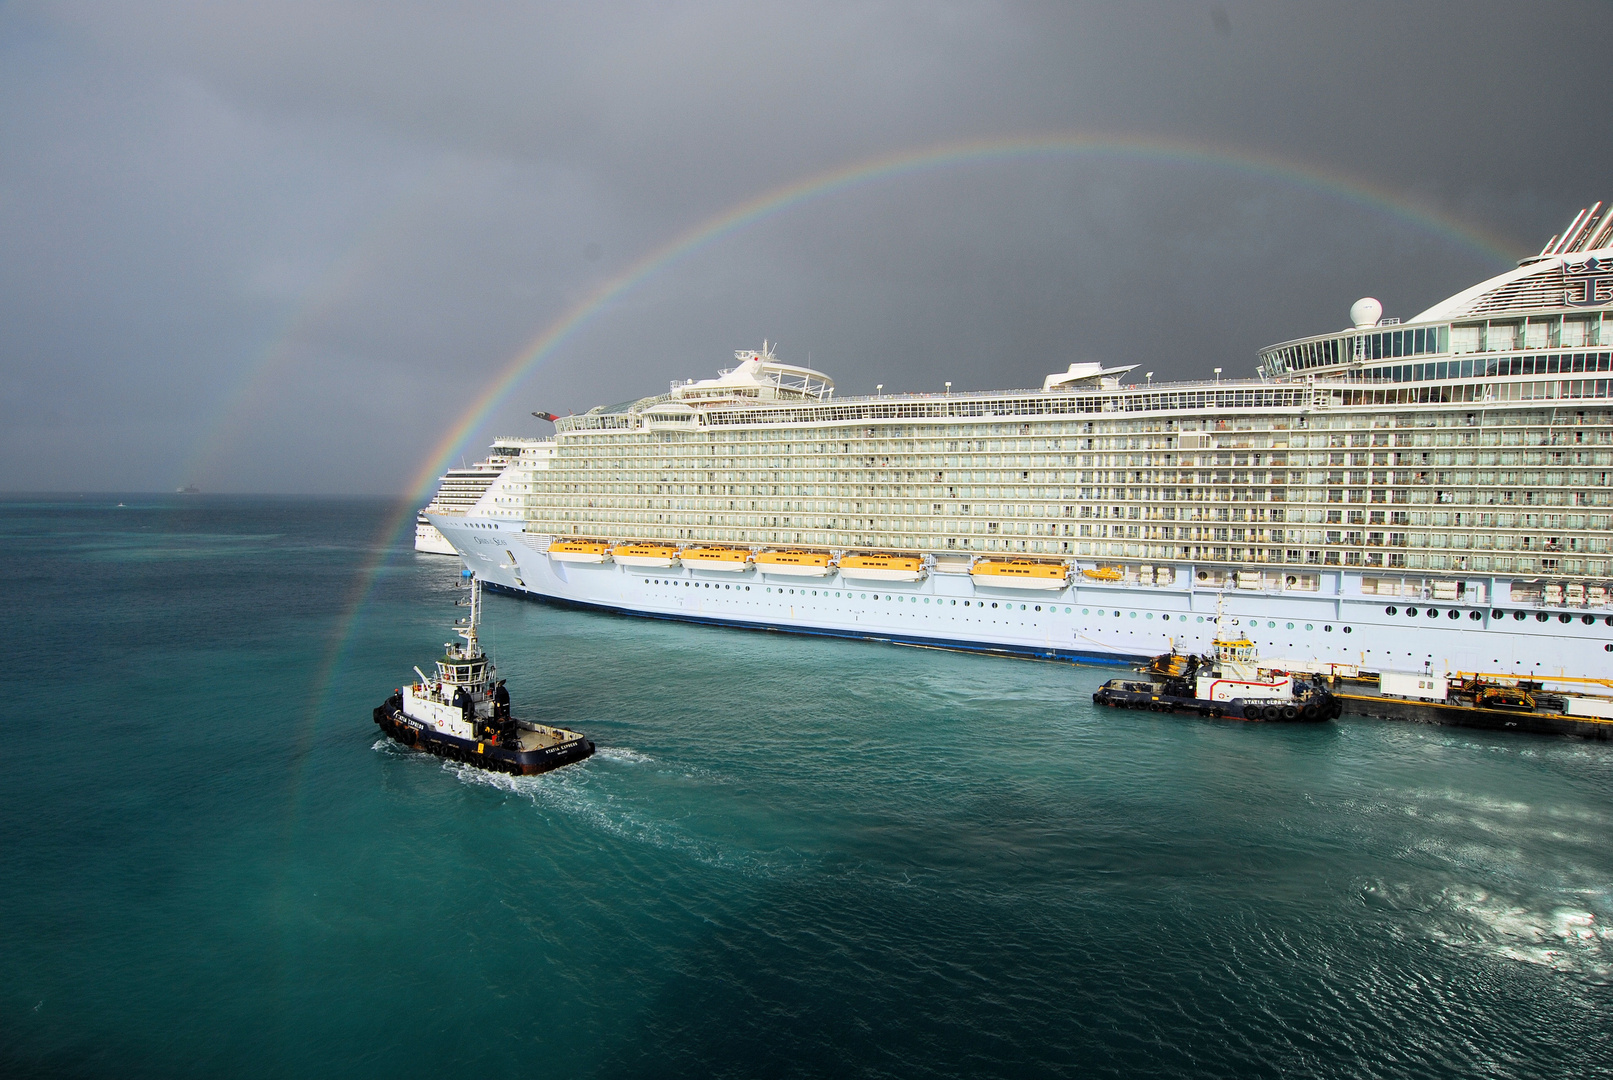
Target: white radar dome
(1365, 313)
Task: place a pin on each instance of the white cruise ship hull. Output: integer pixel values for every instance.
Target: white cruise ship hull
(429, 540)
(1088, 620)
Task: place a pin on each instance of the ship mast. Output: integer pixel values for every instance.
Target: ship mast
(466, 628)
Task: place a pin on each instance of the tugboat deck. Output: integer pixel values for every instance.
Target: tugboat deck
(531, 736)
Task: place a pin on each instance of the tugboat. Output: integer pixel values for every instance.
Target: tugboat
(1227, 682)
(464, 713)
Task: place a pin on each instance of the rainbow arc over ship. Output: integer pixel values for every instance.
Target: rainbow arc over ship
(1052, 147)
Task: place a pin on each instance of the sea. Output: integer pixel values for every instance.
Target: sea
(791, 856)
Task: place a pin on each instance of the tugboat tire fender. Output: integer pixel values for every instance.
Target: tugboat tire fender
(1289, 712)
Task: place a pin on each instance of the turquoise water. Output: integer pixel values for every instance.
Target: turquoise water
(791, 856)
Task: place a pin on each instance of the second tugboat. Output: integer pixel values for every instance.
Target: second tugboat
(464, 713)
(1229, 681)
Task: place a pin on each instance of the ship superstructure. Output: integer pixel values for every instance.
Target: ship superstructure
(1394, 495)
(483, 489)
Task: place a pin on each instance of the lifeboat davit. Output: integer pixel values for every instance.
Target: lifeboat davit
(881, 567)
(579, 551)
(659, 556)
(795, 563)
(1020, 574)
(724, 559)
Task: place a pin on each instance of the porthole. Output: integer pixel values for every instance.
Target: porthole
(1346, 629)
(927, 600)
(1475, 615)
(747, 588)
(1101, 611)
(1391, 610)
(1541, 616)
(993, 605)
(1084, 611)
(1565, 618)
(865, 596)
(1066, 611)
(1607, 648)
(1022, 608)
(1432, 614)
(1498, 614)
(1609, 620)
(1309, 626)
(1117, 614)
(966, 603)
(1150, 615)
(1201, 618)
(1133, 614)
(1204, 575)
(1329, 629)
(1038, 607)
(1588, 620)
(1453, 614)
(1271, 625)
(1165, 618)
(1290, 626)
(1519, 616)
(1411, 611)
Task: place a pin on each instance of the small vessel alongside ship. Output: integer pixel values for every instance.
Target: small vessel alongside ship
(1229, 681)
(463, 713)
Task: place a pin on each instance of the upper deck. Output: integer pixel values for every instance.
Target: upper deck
(1556, 300)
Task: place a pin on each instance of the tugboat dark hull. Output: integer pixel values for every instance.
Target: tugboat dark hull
(1319, 707)
(409, 732)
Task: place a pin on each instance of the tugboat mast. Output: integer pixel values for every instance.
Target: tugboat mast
(466, 628)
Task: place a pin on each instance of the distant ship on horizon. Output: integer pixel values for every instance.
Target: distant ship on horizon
(188, 489)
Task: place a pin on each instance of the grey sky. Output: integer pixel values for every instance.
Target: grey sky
(281, 247)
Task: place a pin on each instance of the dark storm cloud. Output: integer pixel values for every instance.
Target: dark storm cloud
(281, 246)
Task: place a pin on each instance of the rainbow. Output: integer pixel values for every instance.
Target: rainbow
(901, 163)
(1030, 148)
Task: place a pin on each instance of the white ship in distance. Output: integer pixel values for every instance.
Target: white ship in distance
(472, 488)
(1433, 493)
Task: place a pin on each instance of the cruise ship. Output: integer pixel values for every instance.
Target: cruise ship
(1432, 494)
(463, 491)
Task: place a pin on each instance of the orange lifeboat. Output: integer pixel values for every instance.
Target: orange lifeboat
(1104, 573)
(579, 551)
(658, 556)
(881, 567)
(1020, 574)
(794, 563)
(724, 559)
